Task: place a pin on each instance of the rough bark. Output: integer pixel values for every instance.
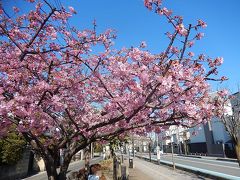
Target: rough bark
(51, 169)
(87, 161)
(114, 167)
(63, 169)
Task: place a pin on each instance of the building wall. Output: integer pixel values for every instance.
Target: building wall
(235, 102)
(198, 136)
(208, 138)
(215, 126)
(219, 132)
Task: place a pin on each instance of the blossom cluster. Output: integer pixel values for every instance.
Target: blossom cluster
(52, 84)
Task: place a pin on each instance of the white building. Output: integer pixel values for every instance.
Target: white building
(176, 135)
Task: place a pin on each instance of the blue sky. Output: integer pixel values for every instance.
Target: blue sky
(134, 23)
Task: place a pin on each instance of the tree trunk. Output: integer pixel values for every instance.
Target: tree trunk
(185, 147)
(87, 161)
(63, 172)
(149, 149)
(51, 169)
(63, 169)
(114, 167)
(237, 149)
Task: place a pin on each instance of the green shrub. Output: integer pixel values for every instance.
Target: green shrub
(11, 149)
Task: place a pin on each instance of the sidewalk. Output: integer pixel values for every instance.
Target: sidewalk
(144, 170)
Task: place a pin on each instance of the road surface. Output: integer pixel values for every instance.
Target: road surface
(225, 167)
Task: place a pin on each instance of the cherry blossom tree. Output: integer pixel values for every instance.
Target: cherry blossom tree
(61, 87)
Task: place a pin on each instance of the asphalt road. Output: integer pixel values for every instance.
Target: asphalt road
(75, 166)
(225, 167)
(144, 170)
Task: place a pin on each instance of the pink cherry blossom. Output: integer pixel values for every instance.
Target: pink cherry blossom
(224, 78)
(181, 29)
(72, 10)
(174, 50)
(148, 4)
(191, 54)
(143, 44)
(199, 36)
(15, 9)
(190, 43)
(202, 23)
(223, 93)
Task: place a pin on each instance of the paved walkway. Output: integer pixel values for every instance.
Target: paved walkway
(144, 170)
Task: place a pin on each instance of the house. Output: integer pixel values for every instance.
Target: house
(211, 138)
(175, 135)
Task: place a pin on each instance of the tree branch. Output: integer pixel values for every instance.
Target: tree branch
(24, 53)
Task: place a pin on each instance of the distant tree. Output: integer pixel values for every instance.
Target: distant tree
(231, 120)
(66, 88)
(98, 147)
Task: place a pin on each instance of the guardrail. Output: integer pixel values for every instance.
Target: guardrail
(194, 169)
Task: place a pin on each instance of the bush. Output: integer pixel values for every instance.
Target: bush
(11, 149)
